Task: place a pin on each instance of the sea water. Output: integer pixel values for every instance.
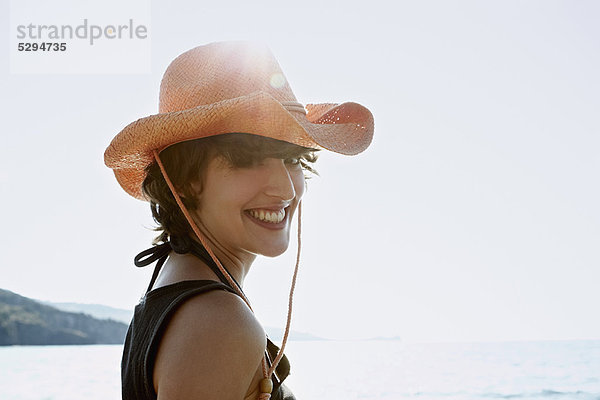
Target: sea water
(369, 370)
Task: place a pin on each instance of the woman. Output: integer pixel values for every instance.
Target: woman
(222, 166)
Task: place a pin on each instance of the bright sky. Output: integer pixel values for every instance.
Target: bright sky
(473, 216)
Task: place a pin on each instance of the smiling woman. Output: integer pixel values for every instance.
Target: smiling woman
(223, 166)
(186, 165)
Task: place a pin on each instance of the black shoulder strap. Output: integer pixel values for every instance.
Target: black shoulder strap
(148, 256)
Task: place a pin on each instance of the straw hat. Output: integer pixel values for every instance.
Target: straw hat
(232, 87)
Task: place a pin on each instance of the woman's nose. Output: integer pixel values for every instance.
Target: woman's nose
(280, 183)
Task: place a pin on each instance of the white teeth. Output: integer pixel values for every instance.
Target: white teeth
(273, 217)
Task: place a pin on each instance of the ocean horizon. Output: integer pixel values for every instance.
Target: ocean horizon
(371, 370)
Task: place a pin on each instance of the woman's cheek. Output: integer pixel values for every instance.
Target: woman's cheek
(299, 184)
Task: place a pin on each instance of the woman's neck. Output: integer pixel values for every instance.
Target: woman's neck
(237, 263)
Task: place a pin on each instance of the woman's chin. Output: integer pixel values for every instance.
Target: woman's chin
(274, 251)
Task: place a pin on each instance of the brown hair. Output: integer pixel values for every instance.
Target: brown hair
(186, 162)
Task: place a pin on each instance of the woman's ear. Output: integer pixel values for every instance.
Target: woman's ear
(195, 189)
(181, 192)
(190, 194)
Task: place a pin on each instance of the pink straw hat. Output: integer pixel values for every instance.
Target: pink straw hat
(231, 87)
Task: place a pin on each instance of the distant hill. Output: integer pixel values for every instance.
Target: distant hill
(386, 339)
(119, 314)
(95, 310)
(24, 321)
(277, 335)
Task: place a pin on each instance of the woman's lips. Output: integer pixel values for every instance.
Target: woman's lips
(270, 219)
(268, 215)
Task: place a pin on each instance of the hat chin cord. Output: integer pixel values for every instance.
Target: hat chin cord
(266, 384)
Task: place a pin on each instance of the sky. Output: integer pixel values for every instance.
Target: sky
(473, 216)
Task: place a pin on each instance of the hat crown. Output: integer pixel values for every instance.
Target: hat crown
(221, 71)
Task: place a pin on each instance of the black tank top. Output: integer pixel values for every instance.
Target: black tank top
(153, 314)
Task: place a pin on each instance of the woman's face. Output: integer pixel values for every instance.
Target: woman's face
(250, 209)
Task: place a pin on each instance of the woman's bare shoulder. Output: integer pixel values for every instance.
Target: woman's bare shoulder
(212, 349)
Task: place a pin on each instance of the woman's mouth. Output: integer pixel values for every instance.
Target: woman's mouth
(268, 216)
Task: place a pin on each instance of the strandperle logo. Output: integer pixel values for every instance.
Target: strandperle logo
(84, 31)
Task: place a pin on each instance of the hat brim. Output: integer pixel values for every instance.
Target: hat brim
(343, 128)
